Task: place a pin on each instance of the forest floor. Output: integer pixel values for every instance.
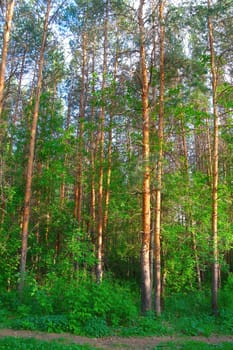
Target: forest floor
(110, 343)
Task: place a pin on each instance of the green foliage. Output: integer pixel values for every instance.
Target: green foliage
(108, 302)
(81, 307)
(226, 307)
(33, 344)
(193, 325)
(194, 345)
(96, 327)
(177, 305)
(198, 321)
(225, 94)
(59, 292)
(51, 323)
(85, 308)
(146, 326)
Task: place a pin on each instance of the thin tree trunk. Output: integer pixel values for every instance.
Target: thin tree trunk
(15, 117)
(109, 170)
(159, 167)
(189, 215)
(92, 224)
(6, 37)
(209, 159)
(99, 268)
(215, 267)
(26, 211)
(5, 44)
(78, 187)
(37, 232)
(18, 98)
(146, 211)
(109, 173)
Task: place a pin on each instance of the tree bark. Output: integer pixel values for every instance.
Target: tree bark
(159, 166)
(92, 221)
(146, 211)
(215, 267)
(27, 198)
(99, 267)
(78, 187)
(109, 169)
(5, 44)
(6, 37)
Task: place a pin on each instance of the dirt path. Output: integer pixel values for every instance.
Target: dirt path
(109, 343)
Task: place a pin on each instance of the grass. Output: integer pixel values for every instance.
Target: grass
(10, 343)
(191, 345)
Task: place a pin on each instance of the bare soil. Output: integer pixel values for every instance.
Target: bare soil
(110, 343)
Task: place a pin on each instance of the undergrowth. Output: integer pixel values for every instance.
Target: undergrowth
(33, 344)
(85, 308)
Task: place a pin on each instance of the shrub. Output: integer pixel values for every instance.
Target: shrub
(96, 327)
(78, 306)
(51, 323)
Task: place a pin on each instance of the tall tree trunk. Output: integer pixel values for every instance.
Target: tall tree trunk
(15, 116)
(209, 157)
(99, 268)
(67, 125)
(153, 126)
(109, 173)
(5, 44)
(146, 211)
(215, 267)
(92, 222)
(27, 198)
(189, 215)
(78, 187)
(6, 37)
(159, 167)
(109, 169)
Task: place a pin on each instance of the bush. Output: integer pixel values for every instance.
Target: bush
(80, 306)
(180, 304)
(146, 326)
(96, 327)
(105, 305)
(51, 323)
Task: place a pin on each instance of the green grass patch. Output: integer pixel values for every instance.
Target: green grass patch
(192, 345)
(10, 343)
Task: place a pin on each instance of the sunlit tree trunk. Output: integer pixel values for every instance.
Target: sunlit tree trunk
(153, 102)
(109, 173)
(209, 157)
(215, 267)
(92, 221)
(99, 267)
(6, 37)
(109, 169)
(78, 187)
(27, 198)
(159, 167)
(146, 211)
(5, 44)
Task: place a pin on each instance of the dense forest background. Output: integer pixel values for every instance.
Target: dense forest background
(116, 147)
